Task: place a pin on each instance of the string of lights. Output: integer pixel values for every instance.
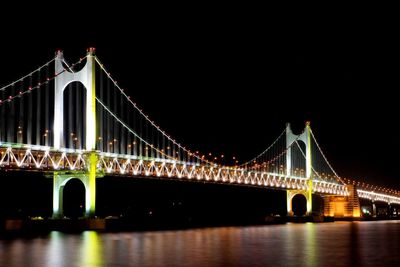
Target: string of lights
(265, 151)
(26, 76)
(38, 85)
(154, 143)
(326, 160)
(312, 168)
(132, 131)
(149, 120)
(367, 186)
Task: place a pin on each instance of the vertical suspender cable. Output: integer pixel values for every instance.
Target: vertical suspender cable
(140, 152)
(135, 144)
(11, 117)
(47, 108)
(128, 134)
(122, 137)
(84, 94)
(38, 113)
(72, 104)
(163, 146)
(29, 114)
(115, 123)
(108, 139)
(2, 121)
(20, 124)
(147, 139)
(100, 115)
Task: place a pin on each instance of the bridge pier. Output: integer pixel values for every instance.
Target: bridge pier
(306, 193)
(60, 179)
(289, 196)
(373, 209)
(343, 206)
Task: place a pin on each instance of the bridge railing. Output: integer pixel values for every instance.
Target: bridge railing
(47, 159)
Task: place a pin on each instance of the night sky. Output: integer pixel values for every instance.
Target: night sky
(226, 79)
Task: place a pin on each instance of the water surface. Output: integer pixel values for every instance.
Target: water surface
(325, 244)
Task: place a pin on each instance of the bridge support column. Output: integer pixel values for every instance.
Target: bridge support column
(91, 190)
(390, 210)
(89, 182)
(306, 193)
(58, 190)
(373, 209)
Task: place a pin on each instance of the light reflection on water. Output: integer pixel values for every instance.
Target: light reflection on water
(324, 244)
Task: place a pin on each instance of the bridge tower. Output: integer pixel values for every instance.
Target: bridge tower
(87, 77)
(305, 137)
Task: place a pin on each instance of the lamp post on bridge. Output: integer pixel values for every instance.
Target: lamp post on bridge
(71, 144)
(114, 141)
(75, 143)
(134, 147)
(45, 138)
(20, 135)
(99, 147)
(112, 145)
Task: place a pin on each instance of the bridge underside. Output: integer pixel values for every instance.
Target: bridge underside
(46, 159)
(339, 200)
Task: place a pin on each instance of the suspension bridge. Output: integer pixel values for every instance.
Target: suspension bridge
(75, 121)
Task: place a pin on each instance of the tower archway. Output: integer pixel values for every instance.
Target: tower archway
(60, 181)
(291, 194)
(74, 198)
(299, 205)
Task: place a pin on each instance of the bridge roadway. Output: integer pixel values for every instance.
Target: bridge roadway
(27, 157)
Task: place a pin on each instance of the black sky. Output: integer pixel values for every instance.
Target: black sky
(226, 79)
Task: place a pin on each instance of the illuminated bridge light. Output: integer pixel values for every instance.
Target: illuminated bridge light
(166, 159)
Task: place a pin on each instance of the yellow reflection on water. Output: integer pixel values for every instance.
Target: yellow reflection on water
(91, 250)
(310, 245)
(55, 249)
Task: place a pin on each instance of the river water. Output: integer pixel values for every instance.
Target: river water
(375, 243)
